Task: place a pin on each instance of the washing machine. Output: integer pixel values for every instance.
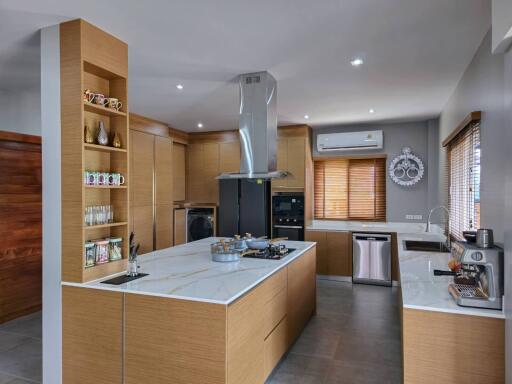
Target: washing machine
(200, 223)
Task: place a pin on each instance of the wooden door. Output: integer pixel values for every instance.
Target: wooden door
(142, 152)
(178, 166)
(296, 162)
(229, 157)
(163, 192)
(195, 183)
(20, 225)
(321, 250)
(180, 230)
(282, 163)
(339, 253)
(210, 172)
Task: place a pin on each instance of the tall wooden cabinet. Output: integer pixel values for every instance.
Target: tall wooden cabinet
(151, 159)
(91, 59)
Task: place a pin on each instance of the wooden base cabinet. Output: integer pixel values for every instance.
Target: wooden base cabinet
(185, 342)
(445, 348)
(334, 252)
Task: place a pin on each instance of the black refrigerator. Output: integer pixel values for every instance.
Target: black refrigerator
(245, 206)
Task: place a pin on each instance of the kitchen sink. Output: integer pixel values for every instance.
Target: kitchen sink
(426, 246)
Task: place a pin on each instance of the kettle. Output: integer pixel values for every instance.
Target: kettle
(484, 238)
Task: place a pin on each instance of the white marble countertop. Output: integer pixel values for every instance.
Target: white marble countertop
(366, 226)
(420, 288)
(187, 272)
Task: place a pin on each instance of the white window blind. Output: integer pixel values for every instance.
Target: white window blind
(464, 180)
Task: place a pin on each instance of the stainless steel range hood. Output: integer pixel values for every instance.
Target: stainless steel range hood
(258, 127)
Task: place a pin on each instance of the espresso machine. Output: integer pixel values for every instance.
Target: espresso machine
(479, 282)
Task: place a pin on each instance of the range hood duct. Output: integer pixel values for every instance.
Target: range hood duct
(257, 127)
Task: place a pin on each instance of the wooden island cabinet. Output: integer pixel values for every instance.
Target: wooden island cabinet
(122, 337)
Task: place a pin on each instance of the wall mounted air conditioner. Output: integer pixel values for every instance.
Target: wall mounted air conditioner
(349, 141)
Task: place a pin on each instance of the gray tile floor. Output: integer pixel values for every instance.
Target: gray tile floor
(21, 350)
(353, 339)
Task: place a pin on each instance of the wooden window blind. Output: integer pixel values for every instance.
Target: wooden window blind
(464, 180)
(350, 189)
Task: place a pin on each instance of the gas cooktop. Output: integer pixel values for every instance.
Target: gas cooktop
(272, 253)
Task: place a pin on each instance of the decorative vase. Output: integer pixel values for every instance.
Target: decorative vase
(102, 136)
(116, 141)
(88, 136)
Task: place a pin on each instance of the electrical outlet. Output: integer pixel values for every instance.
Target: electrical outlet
(413, 217)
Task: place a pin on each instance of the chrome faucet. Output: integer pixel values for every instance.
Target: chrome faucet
(447, 224)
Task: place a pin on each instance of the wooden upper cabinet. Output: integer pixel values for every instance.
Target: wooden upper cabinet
(282, 162)
(203, 161)
(141, 158)
(229, 157)
(163, 170)
(178, 165)
(296, 162)
(291, 157)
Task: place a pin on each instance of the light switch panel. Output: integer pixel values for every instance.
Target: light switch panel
(413, 217)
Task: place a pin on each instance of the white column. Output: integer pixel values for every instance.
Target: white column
(50, 134)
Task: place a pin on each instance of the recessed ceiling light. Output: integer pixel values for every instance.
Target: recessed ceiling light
(199, 125)
(179, 86)
(306, 117)
(356, 62)
(371, 111)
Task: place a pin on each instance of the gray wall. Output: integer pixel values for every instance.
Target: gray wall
(417, 135)
(20, 111)
(52, 236)
(482, 89)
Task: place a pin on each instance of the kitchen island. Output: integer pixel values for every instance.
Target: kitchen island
(190, 320)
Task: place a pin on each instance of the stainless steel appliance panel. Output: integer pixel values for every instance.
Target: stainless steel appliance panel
(371, 259)
(380, 259)
(361, 258)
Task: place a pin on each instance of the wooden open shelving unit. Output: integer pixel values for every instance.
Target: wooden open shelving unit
(92, 59)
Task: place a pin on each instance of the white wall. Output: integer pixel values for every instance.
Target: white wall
(482, 89)
(52, 239)
(20, 111)
(501, 25)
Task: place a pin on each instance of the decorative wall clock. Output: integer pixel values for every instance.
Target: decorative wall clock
(406, 169)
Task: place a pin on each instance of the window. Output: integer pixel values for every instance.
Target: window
(464, 180)
(350, 189)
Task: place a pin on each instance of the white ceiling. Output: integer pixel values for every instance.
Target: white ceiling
(415, 52)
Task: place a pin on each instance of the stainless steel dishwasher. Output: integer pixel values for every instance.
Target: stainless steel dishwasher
(371, 254)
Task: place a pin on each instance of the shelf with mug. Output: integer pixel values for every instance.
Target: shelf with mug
(109, 225)
(95, 108)
(103, 148)
(106, 186)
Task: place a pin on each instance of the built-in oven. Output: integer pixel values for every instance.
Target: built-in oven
(288, 215)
